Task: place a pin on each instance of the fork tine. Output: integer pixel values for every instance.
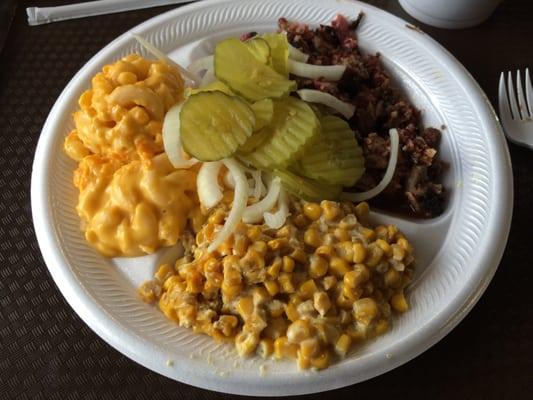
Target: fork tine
(512, 97)
(503, 100)
(522, 105)
(529, 93)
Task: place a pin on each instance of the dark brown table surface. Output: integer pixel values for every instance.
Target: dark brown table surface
(47, 352)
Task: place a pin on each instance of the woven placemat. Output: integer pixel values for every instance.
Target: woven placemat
(47, 352)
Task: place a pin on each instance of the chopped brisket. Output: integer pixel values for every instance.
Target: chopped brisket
(380, 106)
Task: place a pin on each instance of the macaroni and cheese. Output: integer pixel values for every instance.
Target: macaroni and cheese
(132, 201)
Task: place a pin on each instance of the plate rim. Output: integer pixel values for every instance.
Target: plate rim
(81, 302)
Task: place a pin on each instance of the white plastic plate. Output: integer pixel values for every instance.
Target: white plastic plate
(457, 253)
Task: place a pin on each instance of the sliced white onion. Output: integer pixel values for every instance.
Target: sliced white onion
(171, 139)
(277, 219)
(240, 198)
(201, 64)
(259, 188)
(328, 72)
(254, 213)
(163, 57)
(209, 77)
(389, 173)
(229, 182)
(316, 96)
(297, 55)
(209, 192)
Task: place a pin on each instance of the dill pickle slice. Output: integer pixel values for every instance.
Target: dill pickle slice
(294, 126)
(213, 125)
(306, 188)
(264, 112)
(260, 49)
(336, 157)
(254, 141)
(216, 85)
(279, 51)
(236, 66)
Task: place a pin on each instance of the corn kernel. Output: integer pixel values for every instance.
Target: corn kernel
(345, 250)
(226, 324)
(385, 247)
(278, 244)
(359, 253)
(368, 234)
(265, 348)
(392, 231)
(350, 279)
(330, 209)
(343, 345)
(399, 302)
(285, 280)
(253, 233)
(284, 349)
(241, 245)
(307, 289)
(291, 312)
(362, 210)
(312, 211)
(303, 361)
(365, 310)
(309, 347)
(260, 247)
(286, 231)
(260, 295)
(246, 342)
(357, 332)
(342, 301)
(299, 330)
(276, 308)
(321, 302)
(392, 278)
(348, 222)
(245, 307)
(299, 255)
(404, 244)
(338, 266)
(374, 255)
(381, 232)
(288, 264)
(341, 234)
(398, 252)
(382, 326)
(321, 361)
(329, 281)
(275, 268)
(272, 287)
(318, 266)
(312, 237)
(324, 251)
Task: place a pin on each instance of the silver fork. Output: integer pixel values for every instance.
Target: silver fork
(517, 117)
